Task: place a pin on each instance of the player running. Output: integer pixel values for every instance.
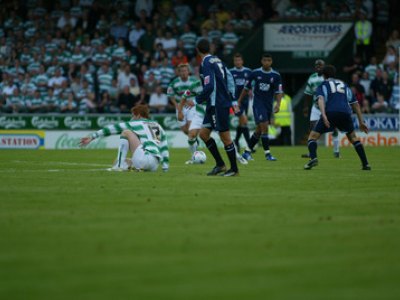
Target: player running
(313, 82)
(267, 85)
(185, 113)
(145, 139)
(334, 101)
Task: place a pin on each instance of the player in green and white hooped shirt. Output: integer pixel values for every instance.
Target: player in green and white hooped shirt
(313, 82)
(189, 118)
(145, 138)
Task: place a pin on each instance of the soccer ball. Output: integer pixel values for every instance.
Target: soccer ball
(199, 157)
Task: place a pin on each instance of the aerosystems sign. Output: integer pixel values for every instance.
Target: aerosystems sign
(309, 37)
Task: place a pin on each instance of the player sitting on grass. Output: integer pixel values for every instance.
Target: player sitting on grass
(334, 100)
(145, 139)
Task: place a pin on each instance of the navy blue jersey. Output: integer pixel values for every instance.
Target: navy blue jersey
(218, 83)
(265, 85)
(337, 96)
(240, 76)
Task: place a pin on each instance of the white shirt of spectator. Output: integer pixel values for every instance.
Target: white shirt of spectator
(158, 99)
(125, 79)
(134, 36)
(9, 90)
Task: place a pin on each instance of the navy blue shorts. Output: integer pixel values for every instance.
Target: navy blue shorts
(339, 120)
(262, 113)
(217, 118)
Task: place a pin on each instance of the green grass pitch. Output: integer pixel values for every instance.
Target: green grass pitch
(70, 230)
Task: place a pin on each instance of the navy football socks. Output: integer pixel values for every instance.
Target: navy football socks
(312, 148)
(212, 147)
(231, 152)
(361, 152)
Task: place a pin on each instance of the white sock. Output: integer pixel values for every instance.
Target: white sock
(192, 145)
(335, 140)
(122, 152)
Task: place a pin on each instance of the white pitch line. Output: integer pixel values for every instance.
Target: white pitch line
(50, 170)
(65, 163)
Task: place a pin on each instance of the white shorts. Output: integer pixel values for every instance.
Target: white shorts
(197, 121)
(142, 160)
(188, 115)
(315, 114)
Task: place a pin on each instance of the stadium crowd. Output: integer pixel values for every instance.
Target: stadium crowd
(93, 56)
(88, 56)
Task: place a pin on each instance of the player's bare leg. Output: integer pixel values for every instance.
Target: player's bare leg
(128, 141)
(336, 144)
(192, 142)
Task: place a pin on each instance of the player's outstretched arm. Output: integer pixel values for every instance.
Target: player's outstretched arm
(85, 141)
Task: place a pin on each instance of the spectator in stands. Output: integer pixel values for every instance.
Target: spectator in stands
(56, 81)
(35, 104)
(381, 91)
(105, 77)
(390, 56)
(105, 104)
(293, 11)
(66, 20)
(394, 39)
(126, 100)
(124, 78)
(173, 22)
(392, 70)
(158, 100)
(188, 37)
(67, 103)
(382, 20)
(167, 72)
(146, 41)
(144, 5)
(359, 92)
(372, 68)
(169, 43)
(366, 83)
(86, 98)
(395, 97)
(135, 34)
(183, 11)
(179, 58)
(356, 65)
(14, 103)
(310, 11)
(134, 87)
(229, 39)
(119, 30)
(52, 102)
(27, 86)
